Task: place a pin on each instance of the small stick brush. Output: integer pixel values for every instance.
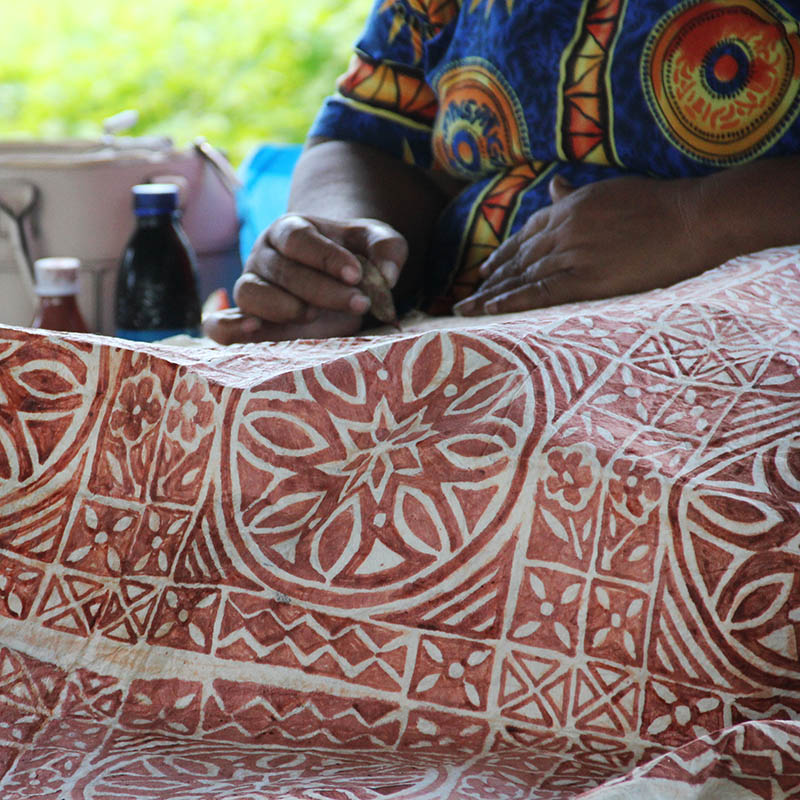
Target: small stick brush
(374, 286)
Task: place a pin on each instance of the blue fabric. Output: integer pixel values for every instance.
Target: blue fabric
(505, 93)
(266, 175)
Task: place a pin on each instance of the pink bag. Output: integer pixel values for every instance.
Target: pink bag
(73, 198)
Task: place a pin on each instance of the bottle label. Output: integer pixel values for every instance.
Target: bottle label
(154, 334)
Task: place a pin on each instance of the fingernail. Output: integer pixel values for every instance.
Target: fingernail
(491, 306)
(351, 275)
(250, 324)
(463, 307)
(359, 303)
(390, 271)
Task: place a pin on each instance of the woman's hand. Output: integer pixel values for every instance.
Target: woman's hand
(301, 279)
(608, 238)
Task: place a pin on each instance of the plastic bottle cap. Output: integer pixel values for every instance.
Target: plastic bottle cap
(57, 277)
(155, 198)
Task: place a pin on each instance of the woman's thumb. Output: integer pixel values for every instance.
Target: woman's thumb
(559, 188)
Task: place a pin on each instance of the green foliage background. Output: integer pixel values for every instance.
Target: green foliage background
(238, 72)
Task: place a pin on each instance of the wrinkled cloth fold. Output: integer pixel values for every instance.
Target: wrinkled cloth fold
(545, 555)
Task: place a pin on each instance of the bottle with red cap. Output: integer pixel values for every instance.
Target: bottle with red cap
(57, 287)
(157, 293)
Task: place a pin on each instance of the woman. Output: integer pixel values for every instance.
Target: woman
(492, 156)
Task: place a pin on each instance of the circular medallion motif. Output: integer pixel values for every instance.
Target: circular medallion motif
(355, 488)
(722, 78)
(173, 769)
(51, 399)
(480, 128)
(738, 561)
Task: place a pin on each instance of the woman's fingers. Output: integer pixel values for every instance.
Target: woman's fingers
(302, 279)
(526, 293)
(531, 254)
(535, 240)
(606, 238)
(302, 265)
(551, 290)
(509, 251)
(330, 245)
(267, 301)
(500, 284)
(272, 273)
(232, 325)
(380, 244)
(306, 241)
(316, 260)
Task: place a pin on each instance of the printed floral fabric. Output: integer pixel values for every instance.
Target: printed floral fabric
(534, 557)
(505, 93)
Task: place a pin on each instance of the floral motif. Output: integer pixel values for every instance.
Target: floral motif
(137, 405)
(548, 600)
(450, 679)
(101, 538)
(158, 538)
(192, 408)
(633, 490)
(616, 623)
(572, 476)
(185, 619)
(671, 707)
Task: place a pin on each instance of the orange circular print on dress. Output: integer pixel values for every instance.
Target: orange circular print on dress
(722, 78)
(480, 128)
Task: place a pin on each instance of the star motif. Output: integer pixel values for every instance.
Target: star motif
(428, 17)
(378, 449)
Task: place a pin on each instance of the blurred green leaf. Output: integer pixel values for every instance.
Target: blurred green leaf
(238, 72)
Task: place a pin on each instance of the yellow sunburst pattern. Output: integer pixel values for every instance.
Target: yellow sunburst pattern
(722, 79)
(423, 22)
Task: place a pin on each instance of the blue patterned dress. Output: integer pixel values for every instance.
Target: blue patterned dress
(504, 93)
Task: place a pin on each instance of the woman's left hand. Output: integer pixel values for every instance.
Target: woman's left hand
(608, 238)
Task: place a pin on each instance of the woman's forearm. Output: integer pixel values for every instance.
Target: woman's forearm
(745, 209)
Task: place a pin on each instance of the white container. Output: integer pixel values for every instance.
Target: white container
(82, 206)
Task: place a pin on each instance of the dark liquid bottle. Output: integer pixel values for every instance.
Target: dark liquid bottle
(57, 285)
(157, 282)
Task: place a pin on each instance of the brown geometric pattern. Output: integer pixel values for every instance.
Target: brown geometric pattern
(529, 557)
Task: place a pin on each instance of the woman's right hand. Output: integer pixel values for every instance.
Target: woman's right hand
(301, 279)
